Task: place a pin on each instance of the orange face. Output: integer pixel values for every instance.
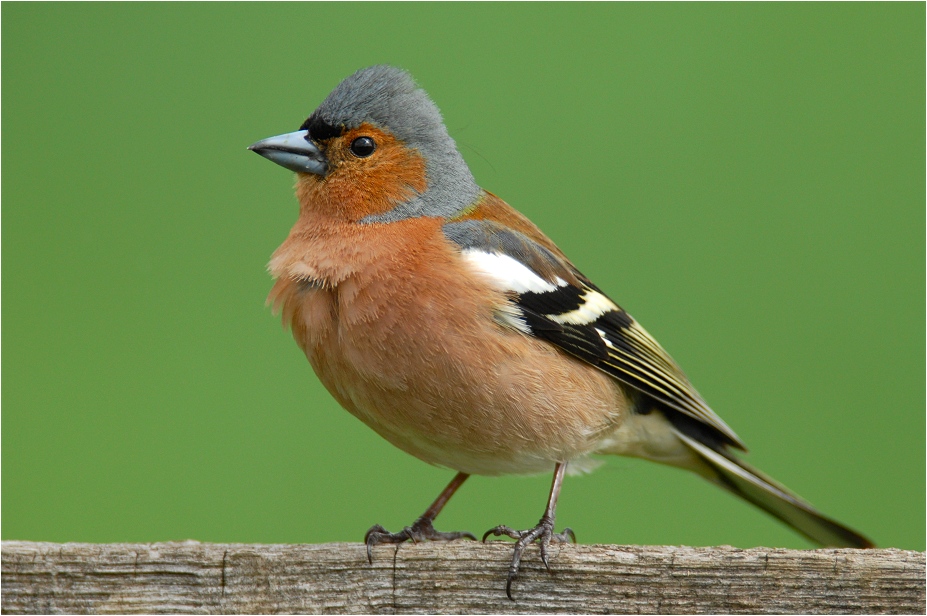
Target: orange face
(369, 172)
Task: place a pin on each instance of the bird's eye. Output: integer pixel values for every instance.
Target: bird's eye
(362, 147)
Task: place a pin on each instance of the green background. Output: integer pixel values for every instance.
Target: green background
(747, 180)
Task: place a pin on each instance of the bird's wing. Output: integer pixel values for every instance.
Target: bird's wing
(553, 301)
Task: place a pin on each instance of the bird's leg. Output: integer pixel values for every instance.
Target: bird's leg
(543, 533)
(422, 529)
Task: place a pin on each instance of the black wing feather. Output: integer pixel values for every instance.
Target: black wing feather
(581, 320)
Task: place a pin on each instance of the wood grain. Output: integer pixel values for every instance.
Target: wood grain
(465, 577)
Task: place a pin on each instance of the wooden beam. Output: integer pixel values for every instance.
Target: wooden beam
(461, 577)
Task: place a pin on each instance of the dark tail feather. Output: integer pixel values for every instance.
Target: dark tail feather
(755, 487)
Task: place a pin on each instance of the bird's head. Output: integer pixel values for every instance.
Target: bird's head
(375, 151)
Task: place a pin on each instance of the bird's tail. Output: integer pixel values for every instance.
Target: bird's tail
(750, 484)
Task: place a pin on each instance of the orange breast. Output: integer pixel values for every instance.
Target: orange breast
(403, 335)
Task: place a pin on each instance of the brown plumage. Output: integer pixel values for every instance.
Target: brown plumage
(450, 324)
(403, 335)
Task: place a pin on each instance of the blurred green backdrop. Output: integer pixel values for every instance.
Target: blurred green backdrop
(746, 179)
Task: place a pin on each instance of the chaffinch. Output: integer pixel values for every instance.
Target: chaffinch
(449, 323)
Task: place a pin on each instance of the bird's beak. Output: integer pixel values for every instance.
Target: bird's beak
(295, 151)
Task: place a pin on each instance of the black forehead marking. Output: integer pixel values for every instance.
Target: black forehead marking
(320, 130)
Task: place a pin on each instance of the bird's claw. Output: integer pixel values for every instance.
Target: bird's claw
(421, 530)
(543, 533)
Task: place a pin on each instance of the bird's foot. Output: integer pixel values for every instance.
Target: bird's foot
(421, 530)
(543, 533)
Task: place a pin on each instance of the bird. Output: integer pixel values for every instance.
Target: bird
(449, 323)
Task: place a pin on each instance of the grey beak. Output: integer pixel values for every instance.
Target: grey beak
(295, 151)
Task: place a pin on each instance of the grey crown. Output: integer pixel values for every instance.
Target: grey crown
(389, 98)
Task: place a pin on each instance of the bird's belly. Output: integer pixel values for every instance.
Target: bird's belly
(460, 393)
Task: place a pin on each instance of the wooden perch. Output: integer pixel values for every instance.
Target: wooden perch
(462, 577)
